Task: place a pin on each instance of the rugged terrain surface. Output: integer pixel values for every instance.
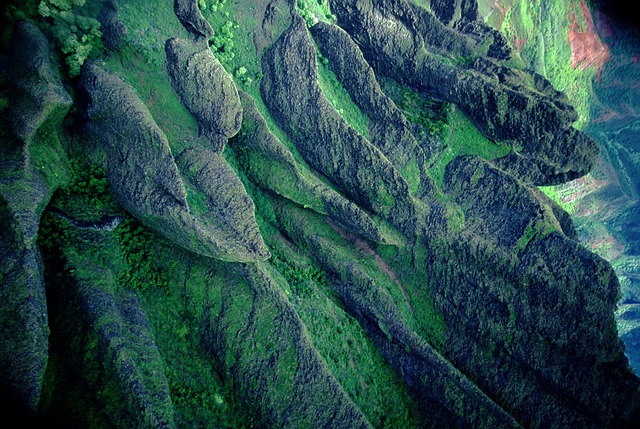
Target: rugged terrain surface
(597, 65)
(268, 214)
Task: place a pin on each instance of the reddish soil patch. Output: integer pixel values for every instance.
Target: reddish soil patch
(519, 43)
(499, 9)
(587, 49)
(608, 246)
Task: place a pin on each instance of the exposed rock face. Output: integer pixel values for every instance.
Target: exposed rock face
(111, 350)
(295, 182)
(145, 178)
(24, 333)
(294, 377)
(252, 260)
(506, 105)
(326, 141)
(191, 18)
(390, 130)
(38, 102)
(36, 80)
(205, 89)
(561, 307)
(228, 209)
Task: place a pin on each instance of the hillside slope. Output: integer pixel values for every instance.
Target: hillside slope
(275, 214)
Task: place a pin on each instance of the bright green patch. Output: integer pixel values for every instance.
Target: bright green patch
(411, 173)
(541, 33)
(232, 42)
(465, 139)
(313, 11)
(537, 230)
(553, 194)
(341, 100)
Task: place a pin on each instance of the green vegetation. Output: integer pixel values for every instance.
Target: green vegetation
(541, 32)
(553, 194)
(139, 247)
(336, 335)
(432, 116)
(223, 41)
(234, 47)
(77, 35)
(71, 23)
(465, 139)
(313, 11)
(538, 230)
(341, 100)
(438, 121)
(176, 314)
(88, 196)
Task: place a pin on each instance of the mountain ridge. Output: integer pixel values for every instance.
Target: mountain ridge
(273, 264)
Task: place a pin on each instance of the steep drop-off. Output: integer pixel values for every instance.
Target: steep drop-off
(294, 214)
(593, 57)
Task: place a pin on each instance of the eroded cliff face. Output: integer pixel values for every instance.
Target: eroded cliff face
(592, 55)
(320, 214)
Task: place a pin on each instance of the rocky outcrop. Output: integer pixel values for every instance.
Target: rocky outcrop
(323, 138)
(113, 29)
(145, 179)
(191, 18)
(228, 210)
(30, 170)
(390, 130)
(313, 266)
(23, 314)
(206, 90)
(450, 398)
(519, 314)
(113, 354)
(505, 104)
(486, 194)
(272, 166)
(540, 125)
(463, 16)
(36, 80)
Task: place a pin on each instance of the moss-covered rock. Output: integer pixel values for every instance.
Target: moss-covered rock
(506, 105)
(191, 18)
(205, 89)
(31, 168)
(532, 314)
(145, 179)
(261, 343)
(108, 353)
(497, 206)
(40, 93)
(323, 138)
(271, 165)
(226, 210)
(23, 315)
(447, 397)
(486, 313)
(390, 130)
